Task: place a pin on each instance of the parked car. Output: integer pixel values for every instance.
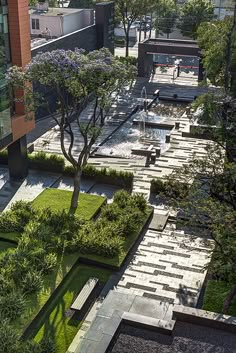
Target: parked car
(144, 26)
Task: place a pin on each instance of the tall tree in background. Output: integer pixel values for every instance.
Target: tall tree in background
(167, 13)
(194, 12)
(128, 11)
(77, 80)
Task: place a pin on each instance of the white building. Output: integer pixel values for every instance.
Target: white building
(57, 22)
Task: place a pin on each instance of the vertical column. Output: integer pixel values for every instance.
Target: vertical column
(200, 70)
(105, 25)
(17, 159)
(19, 30)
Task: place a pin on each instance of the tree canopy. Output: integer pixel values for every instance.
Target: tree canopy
(77, 79)
(167, 13)
(213, 40)
(193, 13)
(128, 11)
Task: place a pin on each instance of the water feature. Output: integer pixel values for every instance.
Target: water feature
(143, 113)
(143, 129)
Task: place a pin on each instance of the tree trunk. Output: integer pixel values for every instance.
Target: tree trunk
(127, 43)
(76, 192)
(229, 299)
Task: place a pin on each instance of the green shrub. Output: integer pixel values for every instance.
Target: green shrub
(157, 186)
(45, 161)
(129, 60)
(169, 188)
(121, 198)
(9, 339)
(139, 201)
(110, 212)
(17, 217)
(31, 282)
(12, 305)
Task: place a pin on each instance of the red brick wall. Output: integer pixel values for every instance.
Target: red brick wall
(19, 28)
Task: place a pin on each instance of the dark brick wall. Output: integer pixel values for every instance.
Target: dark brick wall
(85, 38)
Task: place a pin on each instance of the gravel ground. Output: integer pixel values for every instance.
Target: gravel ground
(187, 338)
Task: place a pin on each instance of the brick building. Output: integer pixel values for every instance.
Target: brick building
(14, 50)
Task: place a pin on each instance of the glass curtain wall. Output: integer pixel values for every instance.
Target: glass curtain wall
(5, 104)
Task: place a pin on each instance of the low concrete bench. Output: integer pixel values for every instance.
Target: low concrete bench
(84, 294)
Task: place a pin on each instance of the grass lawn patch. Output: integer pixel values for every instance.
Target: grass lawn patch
(4, 245)
(37, 300)
(216, 292)
(61, 328)
(128, 244)
(60, 199)
(11, 237)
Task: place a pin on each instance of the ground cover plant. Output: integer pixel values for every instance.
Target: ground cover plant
(50, 243)
(216, 292)
(56, 320)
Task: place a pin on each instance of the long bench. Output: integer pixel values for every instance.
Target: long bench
(84, 294)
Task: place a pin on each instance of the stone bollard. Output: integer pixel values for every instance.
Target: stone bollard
(168, 138)
(177, 125)
(158, 152)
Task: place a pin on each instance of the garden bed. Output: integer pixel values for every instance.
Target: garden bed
(57, 320)
(215, 294)
(55, 163)
(116, 262)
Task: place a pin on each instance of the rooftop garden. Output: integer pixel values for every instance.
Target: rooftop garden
(50, 242)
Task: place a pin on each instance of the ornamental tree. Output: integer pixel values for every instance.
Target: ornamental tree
(194, 12)
(77, 79)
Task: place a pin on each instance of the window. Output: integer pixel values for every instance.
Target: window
(35, 23)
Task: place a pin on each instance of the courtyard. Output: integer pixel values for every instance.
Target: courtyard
(131, 243)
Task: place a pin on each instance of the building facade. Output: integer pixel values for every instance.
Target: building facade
(58, 22)
(14, 50)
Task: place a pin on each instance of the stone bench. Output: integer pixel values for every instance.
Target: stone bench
(84, 294)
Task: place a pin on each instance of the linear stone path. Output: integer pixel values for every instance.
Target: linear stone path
(169, 266)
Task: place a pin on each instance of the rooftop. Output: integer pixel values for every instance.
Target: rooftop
(186, 338)
(54, 11)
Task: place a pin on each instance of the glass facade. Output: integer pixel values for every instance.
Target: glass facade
(5, 104)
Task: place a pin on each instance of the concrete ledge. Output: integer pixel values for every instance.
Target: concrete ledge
(205, 318)
(150, 323)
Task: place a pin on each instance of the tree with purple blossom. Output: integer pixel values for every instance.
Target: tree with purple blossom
(77, 79)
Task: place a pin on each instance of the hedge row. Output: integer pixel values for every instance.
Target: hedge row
(55, 163)
(169, 188)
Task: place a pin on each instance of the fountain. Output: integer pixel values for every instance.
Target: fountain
(144, 112)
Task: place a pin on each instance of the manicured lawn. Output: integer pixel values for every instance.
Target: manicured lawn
(37, 300)
(215, 294)
(4, 245)
(54, 322)
(60, 199)
(10, 236)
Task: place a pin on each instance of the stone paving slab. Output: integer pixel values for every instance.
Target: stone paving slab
(169, 266)
(158, 221)
(66, 183)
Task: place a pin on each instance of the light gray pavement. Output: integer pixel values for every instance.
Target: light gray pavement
(27, 189)
(169, 266)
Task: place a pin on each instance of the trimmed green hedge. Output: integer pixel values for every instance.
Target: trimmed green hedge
(56, 163)
(169, 188)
